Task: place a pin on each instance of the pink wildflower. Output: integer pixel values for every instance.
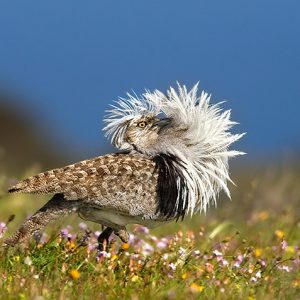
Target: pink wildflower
(153, 238)
(102, 255)
(162, 244)
(217, 253)
(284, 244)
(258, 274)
(97, 233)
(181, 251)
(224, 262)
(209, 267)
(3, 228)
(82, 226)
(147, 249)
(165, 256)
(238, 261)
(43, 238)
(64, 232)
(285, 268)
(71, 236)
(172, 266)
(141, 229)
(262, 262)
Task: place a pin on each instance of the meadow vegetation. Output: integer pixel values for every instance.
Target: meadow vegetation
(247, 248)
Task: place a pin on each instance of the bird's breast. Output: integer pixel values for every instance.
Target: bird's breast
(114, 219)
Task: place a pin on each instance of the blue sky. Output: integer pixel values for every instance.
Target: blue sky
(72, 58)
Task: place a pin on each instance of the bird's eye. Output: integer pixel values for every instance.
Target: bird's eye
(142, 124)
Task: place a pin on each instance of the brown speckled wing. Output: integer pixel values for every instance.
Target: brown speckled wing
(127, 182)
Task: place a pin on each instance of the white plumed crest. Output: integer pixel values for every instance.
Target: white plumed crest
(125, 110)
(199, 137)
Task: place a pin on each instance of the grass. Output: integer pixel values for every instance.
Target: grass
(245, 249)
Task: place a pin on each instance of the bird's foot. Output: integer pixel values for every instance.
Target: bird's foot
(103, 239)
(122, 234)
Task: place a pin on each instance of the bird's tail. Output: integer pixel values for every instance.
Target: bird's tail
(43, 183)
(19, 187)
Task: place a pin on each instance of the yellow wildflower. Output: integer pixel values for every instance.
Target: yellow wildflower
(71, 246)
(296, 283)
(279, 233)
(290, 249)
(125, 246)
(135, 278)
(17, 258)
(184, 276)
(258, 252)
(114, 257)
(195, 288)
(74, 274)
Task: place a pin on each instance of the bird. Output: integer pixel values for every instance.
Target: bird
(171, 162)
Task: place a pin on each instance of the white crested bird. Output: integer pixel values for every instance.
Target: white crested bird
(173, 162)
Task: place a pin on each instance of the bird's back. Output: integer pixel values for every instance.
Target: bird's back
(105, 176)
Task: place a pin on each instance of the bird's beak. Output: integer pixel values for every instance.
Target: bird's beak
(161, 123)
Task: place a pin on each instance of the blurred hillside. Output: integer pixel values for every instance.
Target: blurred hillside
(23, 142)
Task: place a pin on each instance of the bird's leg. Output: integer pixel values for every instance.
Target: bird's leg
(123, 234)
(103, 239)
(56, 208)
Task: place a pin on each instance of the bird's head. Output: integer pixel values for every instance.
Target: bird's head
(137, 125)
(143, 133)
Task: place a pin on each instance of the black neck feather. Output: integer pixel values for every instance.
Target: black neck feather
(173, 197)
